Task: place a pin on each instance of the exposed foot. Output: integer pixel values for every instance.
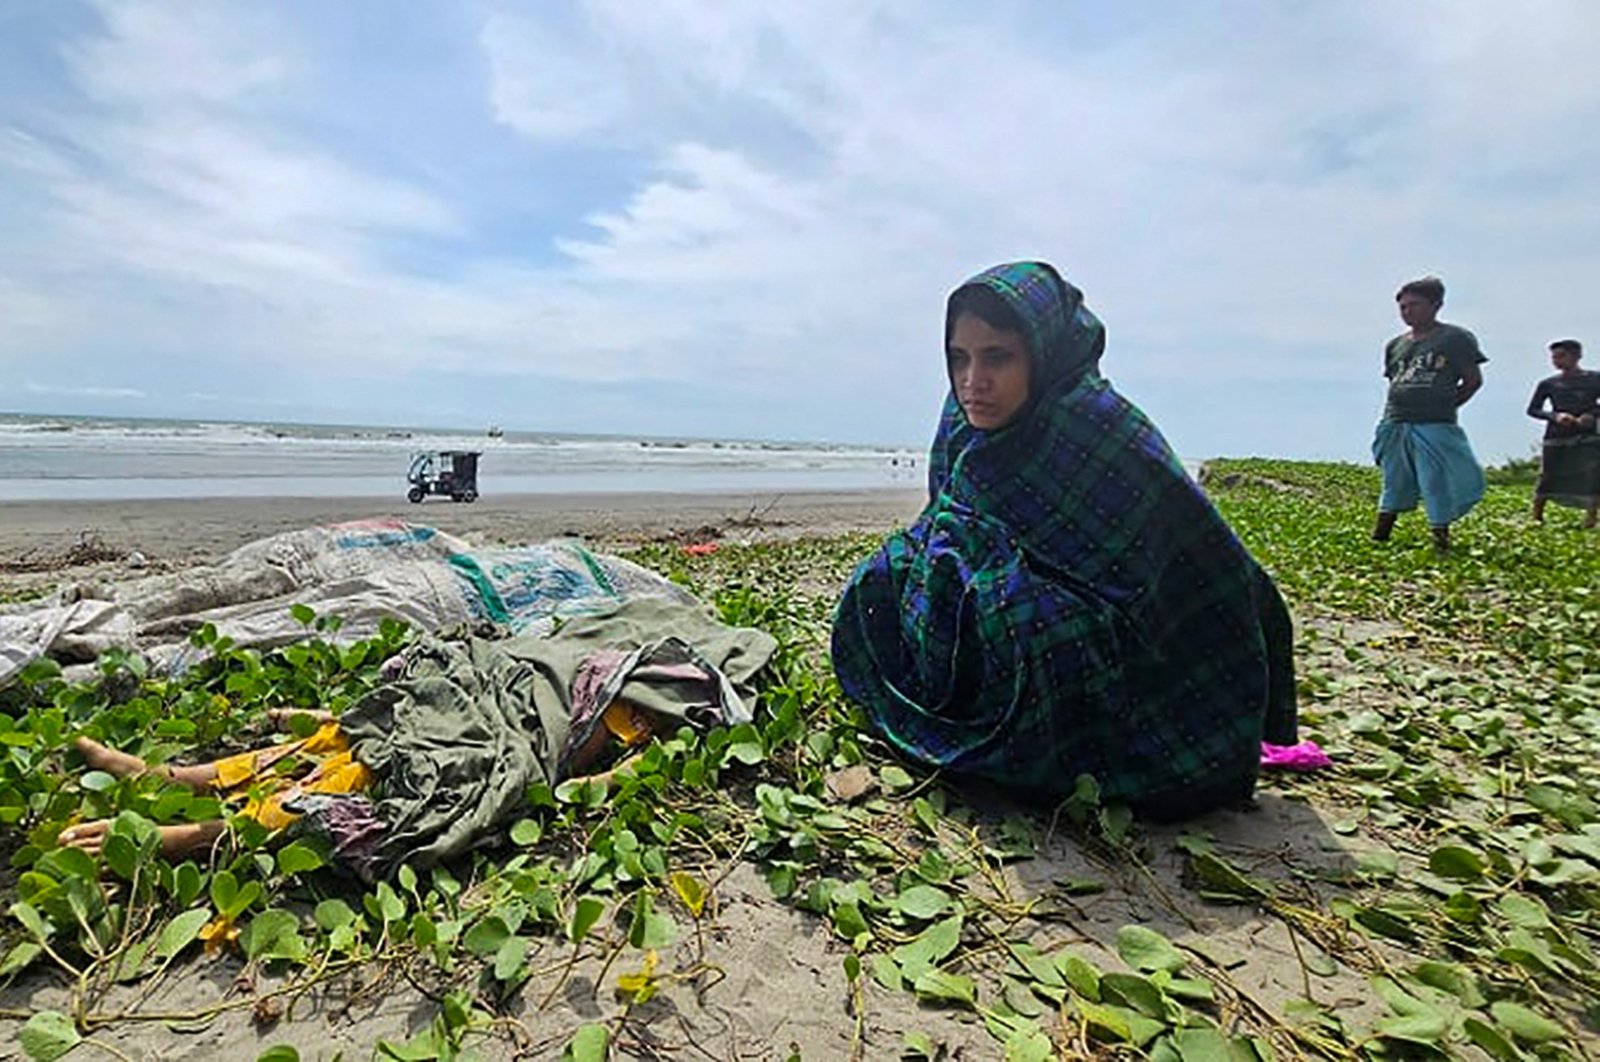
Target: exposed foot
(1441, 540)
(176, 841)
(1385, 525)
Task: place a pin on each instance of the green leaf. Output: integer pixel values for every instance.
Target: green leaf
(919, 1045)
(1039, 967)
(333, 914)
(279, 1053)
(1452, 978)
(922, 902)
(1524, 1024)
(1146, 950)
(744, 745)
(931, 946)
(1220, 881)
(1424, 1027)
(1080, 975)
(32, 921)
(97, 781)
(1492, 1040)
(591, 1043)
(508, 960)
(650, 928)
(1028, 1043)
(895, 779)
(486, 937)
(298, 858)
(121, 855)
(1137, 992)
(849, 922)
(1463, 907)
(48, 1035)
(21, 956)
(303, 614)
(945, 987)
(1524, 911)
(525, 833)
(852, 967)
(1456, 863)
(886, 972)
(1107, 1024)
(391, 906)
(424, 932)
(1378, 863)
(273, 934)
(228, 898)
(585, 913)
(181, 932)
(1207, 1045)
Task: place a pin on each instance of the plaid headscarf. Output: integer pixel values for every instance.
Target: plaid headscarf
(1069, 602)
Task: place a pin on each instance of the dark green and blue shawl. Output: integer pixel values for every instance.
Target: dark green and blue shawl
(1069, 602)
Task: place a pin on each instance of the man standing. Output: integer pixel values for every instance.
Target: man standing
(1569, 470)
(1424, 454)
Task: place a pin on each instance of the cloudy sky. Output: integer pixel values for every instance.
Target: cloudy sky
(708, 218)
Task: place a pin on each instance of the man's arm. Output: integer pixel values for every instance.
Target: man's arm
(1536, 408)
(1471, 382)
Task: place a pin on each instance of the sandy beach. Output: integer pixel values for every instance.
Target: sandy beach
(185, 531)
(1260, 904)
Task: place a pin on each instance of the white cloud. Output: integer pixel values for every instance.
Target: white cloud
(783, 193)
(549, 84)
(85, 392)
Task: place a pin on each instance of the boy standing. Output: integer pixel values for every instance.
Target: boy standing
(1432, 371)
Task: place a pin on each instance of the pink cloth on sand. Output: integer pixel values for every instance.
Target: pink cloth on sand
(1306, 756)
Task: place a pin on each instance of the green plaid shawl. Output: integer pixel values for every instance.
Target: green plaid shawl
(1069, 602)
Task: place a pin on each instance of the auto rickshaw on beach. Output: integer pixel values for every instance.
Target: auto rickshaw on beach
(453, 473)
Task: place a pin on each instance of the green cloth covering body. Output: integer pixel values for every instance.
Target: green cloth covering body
(457, 740)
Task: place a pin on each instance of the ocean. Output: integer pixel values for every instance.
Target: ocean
(57, 458)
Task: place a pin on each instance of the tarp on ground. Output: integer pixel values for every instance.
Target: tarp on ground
(362, 571)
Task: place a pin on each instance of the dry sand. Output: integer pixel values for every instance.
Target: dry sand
(784, 990)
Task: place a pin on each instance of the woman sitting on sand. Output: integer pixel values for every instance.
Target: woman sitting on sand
(425, 768)
(1069, 602)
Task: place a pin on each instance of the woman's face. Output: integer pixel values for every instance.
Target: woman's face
(989, 371)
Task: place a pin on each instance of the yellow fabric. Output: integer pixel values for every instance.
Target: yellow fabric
(338, 773)
(631, 726)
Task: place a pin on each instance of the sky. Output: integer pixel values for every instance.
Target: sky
(742, 219)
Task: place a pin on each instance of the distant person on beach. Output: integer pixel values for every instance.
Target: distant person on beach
(1069, 602)
(1432, 371)
(1569, 467)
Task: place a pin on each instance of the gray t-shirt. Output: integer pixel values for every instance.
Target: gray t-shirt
(1424, 373)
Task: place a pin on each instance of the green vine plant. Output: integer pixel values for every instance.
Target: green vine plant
(1461, 699)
